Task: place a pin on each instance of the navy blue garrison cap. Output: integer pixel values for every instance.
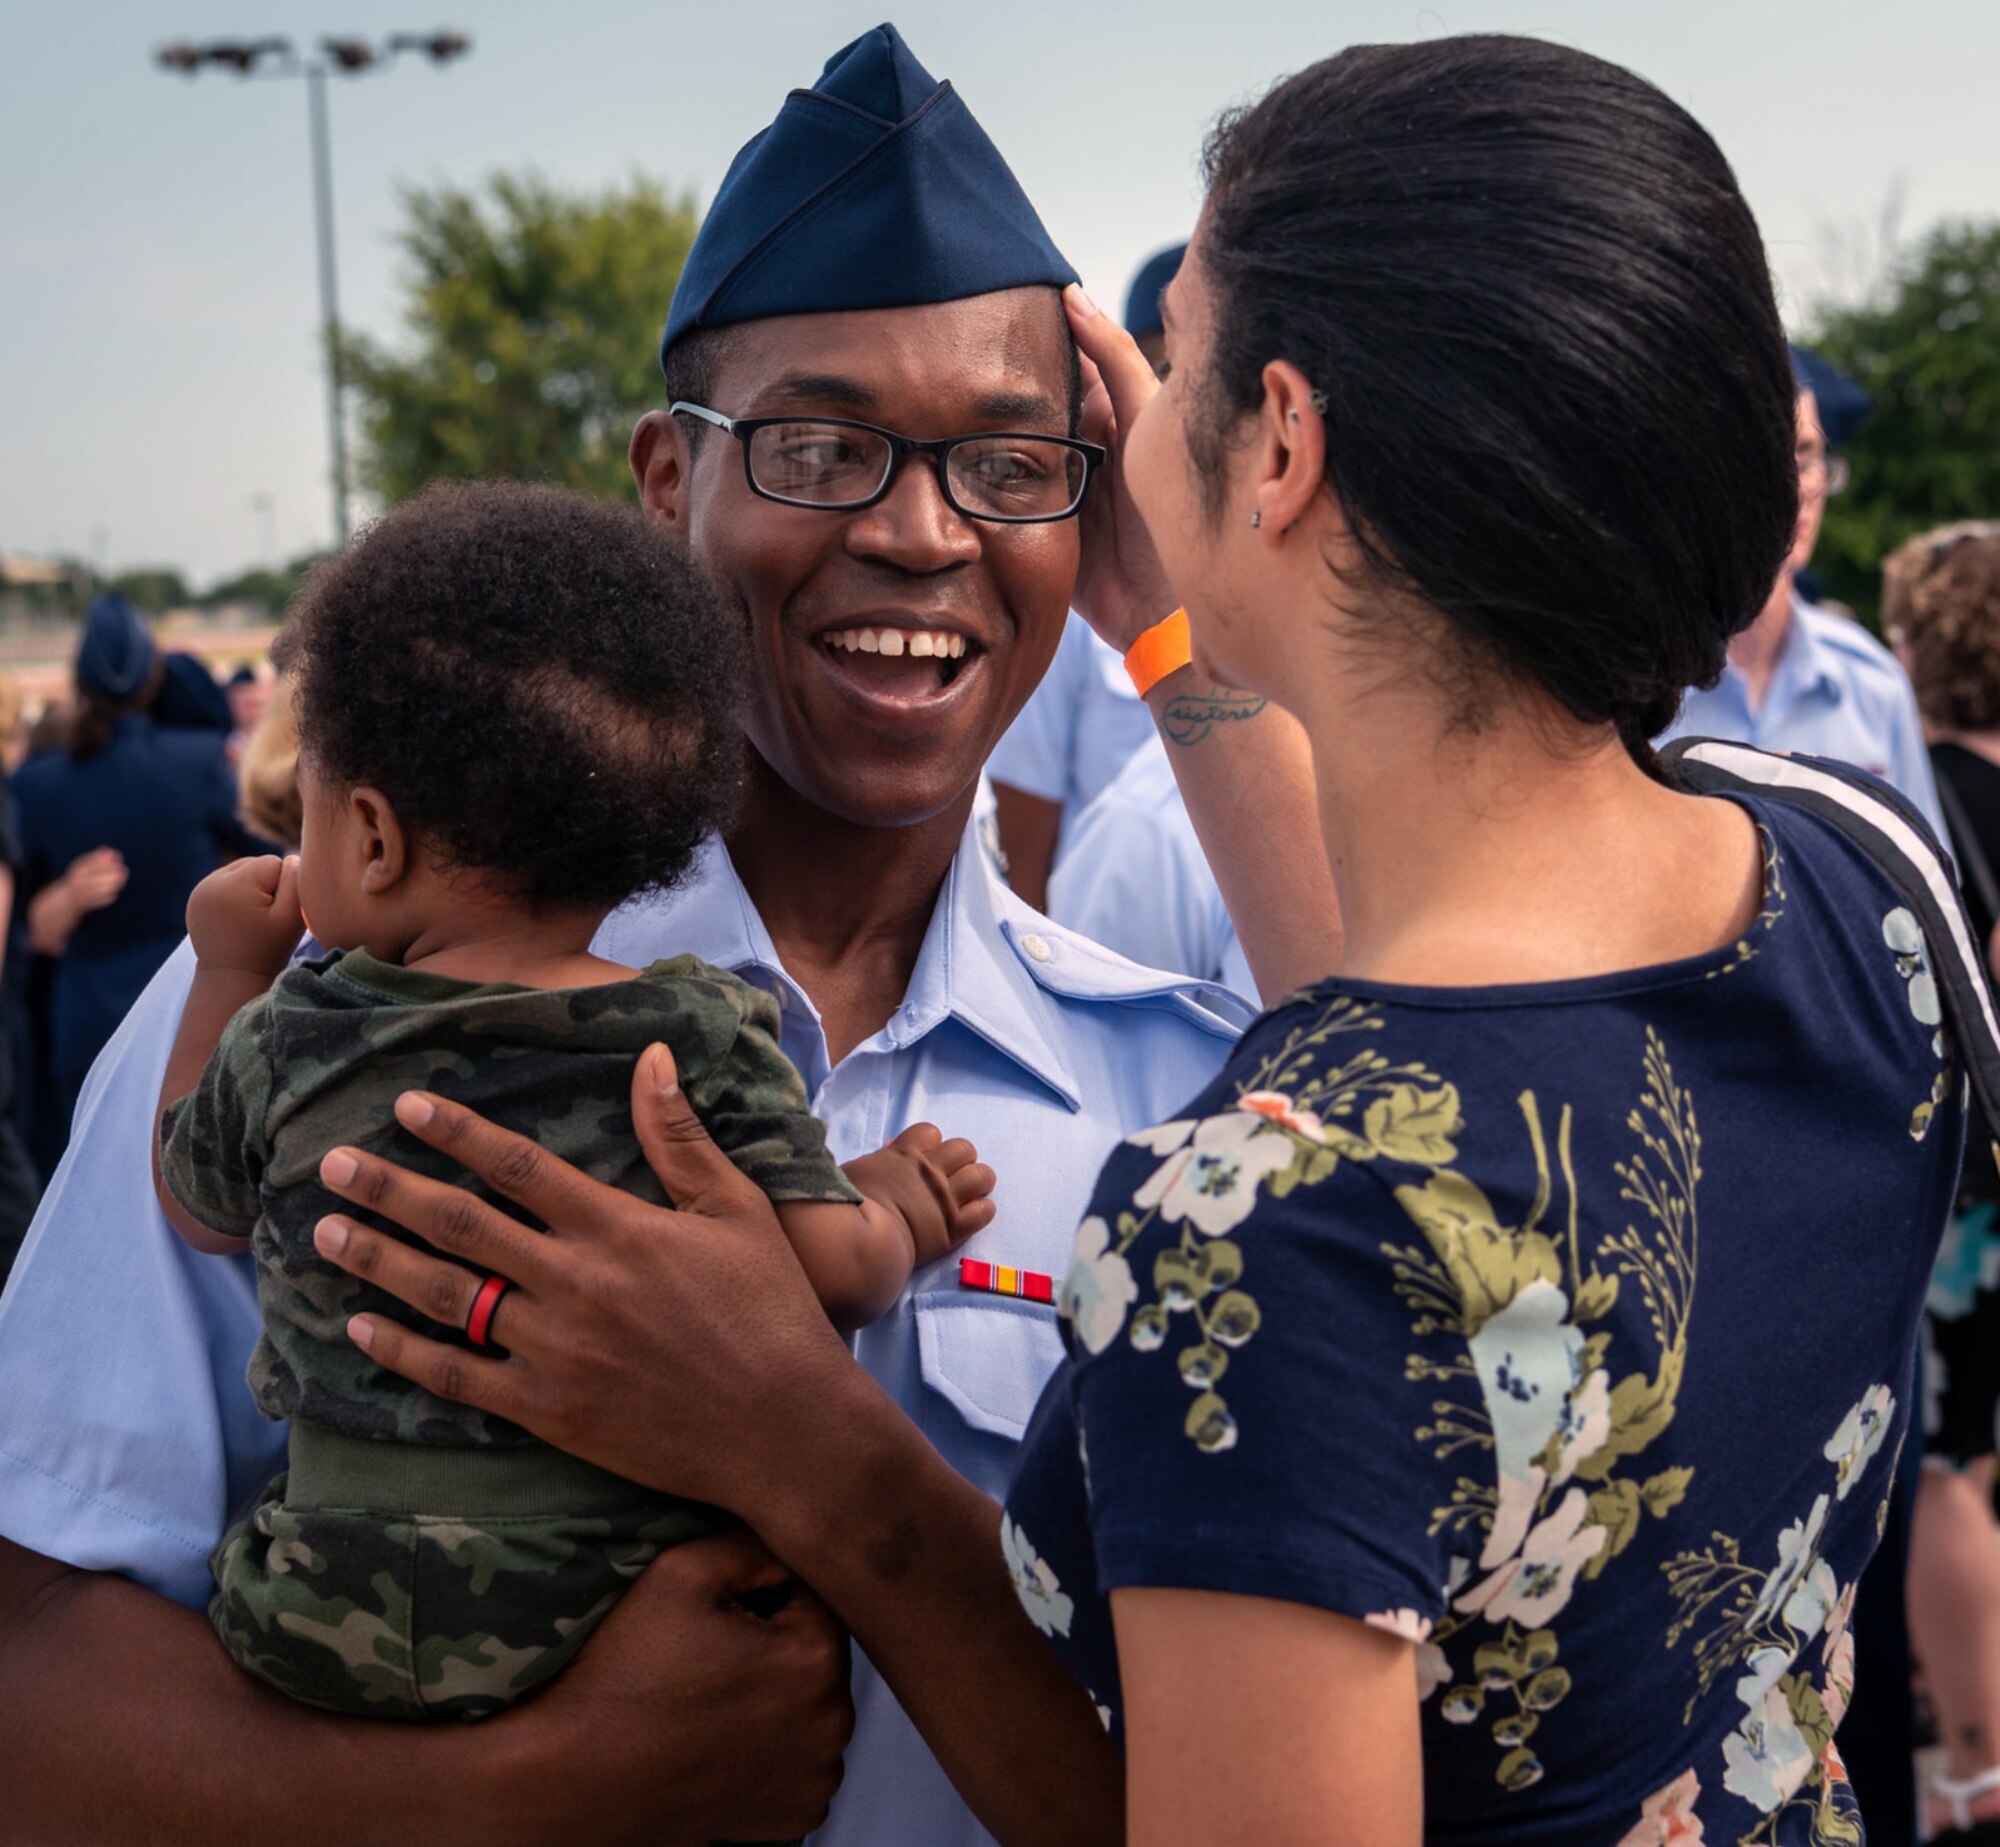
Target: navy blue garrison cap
(117, 650)
(1843, 405)
(873, 189)
(1142, 305)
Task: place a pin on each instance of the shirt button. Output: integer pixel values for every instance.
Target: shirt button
(1037, 947)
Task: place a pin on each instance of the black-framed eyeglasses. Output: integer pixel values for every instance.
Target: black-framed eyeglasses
(1016, 477)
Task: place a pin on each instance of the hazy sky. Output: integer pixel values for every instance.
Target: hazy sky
(158, 361)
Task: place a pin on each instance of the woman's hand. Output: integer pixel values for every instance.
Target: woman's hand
(92, 881)
(1121, 590)
(680, 1348)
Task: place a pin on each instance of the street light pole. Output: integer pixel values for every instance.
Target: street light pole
(350, 57)
(329, 298)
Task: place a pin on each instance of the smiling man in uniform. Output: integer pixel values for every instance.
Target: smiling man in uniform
(870, 443)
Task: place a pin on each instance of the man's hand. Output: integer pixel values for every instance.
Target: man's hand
(688, 1716)
(247, 917)
(940, 1188)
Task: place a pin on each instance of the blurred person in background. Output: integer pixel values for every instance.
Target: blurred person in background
(1801, 679)
(1941, 609)
(248, 692)
(267, 772)
(1133, 877)
(1085, 721)
(20, 1187)
(13, 723)
(115, 833)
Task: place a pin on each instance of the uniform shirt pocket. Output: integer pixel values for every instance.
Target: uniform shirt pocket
(987, 1356)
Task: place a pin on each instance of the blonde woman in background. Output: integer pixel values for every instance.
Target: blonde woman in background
(267, 775)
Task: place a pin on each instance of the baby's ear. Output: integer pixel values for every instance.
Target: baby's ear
(385, 847)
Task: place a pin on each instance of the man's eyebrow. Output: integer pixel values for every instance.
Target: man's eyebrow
(817, 388)
(997, 409)
(991, 410)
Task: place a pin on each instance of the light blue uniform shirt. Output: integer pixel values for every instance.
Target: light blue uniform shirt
(128, 1439)
(1078, 730)
(1133, 876)
(1836, 692)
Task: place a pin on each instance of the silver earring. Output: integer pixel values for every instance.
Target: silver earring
(1256, 516)
(1294, 415)
(1318, 401)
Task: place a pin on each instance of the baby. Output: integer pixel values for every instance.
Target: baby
(515, 711)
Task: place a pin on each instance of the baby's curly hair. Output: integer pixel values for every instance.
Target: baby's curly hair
(542, 686)
(1941, 599)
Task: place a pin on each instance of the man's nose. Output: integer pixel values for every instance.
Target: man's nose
(914, 526)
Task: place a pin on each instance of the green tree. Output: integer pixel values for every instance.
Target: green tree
(271, 589)
(1928, 352)
(153, 587)
(533, 320)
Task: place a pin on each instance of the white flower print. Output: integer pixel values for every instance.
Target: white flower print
(1767, 1667)
(1667, 1818)
(1526, 1358)
(1534, 1588)
(1035, 1584)
(1168, 1138)
(1406, 1623)
(1586, 1423)
(1099, 1288)
(1838, 1654)
(1275, 1106)
(1815, 1594)
(1766, 1758)
(1862, 1432)
(1798, 1548)
(1519, 1495)
(1433, 1670)
(1901, 932)
(1213, 1181)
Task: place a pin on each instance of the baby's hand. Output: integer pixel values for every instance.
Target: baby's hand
(940, 1188)
(246, 916)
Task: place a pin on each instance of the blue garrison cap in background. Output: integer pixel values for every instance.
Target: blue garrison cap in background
(117, 652)
(873, 189)
(1142, 305)
(1843, 405)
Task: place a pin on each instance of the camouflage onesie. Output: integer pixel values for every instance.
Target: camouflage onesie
(420, 1559)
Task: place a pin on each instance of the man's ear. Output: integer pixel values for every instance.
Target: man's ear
(661, 466)
(384, 847)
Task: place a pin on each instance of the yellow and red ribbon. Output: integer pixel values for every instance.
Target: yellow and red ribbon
(1004, 1279)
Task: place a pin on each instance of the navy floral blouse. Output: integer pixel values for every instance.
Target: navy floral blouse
(1566, 1330)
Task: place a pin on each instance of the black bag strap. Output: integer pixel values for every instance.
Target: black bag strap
(1899, 840)
(1972, 858)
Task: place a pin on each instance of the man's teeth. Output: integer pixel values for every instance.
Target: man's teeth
(893, 641)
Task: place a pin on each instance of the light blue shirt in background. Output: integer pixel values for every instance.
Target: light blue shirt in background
(1835, 692)
(1134, 877)
(128, 1439)
(1078, 730)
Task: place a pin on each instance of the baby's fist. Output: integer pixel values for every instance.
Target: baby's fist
(246, 916)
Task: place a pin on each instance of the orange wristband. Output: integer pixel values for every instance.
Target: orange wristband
(1161, 650)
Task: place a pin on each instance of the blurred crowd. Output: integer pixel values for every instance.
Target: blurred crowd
(120, 798)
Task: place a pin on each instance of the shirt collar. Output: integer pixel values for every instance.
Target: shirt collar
(1805, 663)
(968, 968)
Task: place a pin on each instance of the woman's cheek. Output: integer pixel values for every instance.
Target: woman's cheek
(1158, 474)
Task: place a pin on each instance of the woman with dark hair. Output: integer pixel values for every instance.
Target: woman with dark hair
(1471, 1426)
(116, 831)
